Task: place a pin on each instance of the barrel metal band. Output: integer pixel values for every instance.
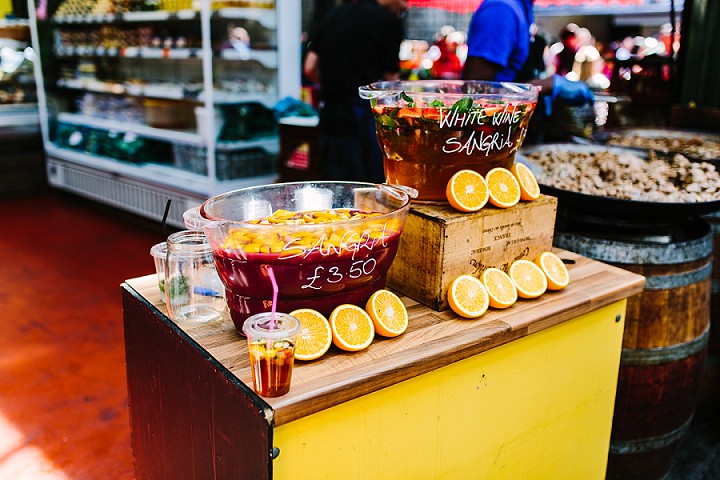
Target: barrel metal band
(623, 252)
(640, 445)
(659, 355)
(677, 280)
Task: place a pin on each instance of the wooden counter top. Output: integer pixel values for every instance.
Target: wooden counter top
(433, 339)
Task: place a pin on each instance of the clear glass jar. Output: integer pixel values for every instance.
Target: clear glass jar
(193, 290)
(159, 254)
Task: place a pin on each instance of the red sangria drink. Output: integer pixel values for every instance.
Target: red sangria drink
(429, 130)
(271, 348)
(324, 243)
(271, 364)
(320, 267)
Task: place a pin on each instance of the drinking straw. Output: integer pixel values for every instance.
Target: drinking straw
(275, 296)
(164, 217)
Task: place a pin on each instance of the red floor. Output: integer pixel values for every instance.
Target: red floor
(63, 397)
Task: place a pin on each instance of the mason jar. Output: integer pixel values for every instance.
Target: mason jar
(193, 290)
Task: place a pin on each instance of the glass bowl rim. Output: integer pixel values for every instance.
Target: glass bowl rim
(391, 88)
(403, 194)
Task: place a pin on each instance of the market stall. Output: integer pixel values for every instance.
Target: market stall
(526, 386)
(520, 393)
(502, 392)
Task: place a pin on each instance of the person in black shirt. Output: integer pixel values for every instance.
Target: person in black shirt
(356, 44)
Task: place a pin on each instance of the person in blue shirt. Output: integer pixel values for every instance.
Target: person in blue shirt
(500, 45)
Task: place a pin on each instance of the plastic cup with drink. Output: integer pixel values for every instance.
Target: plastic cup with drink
(271, 338)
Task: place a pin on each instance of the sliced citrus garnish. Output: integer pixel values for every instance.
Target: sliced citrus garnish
(529, 188)
(352, 328)
(500, 288)
(315, 336)
(409, 113)
(554, 269)
(528, 278)
(467, 297)
(503, 187)
(467, 191)
(388, 313)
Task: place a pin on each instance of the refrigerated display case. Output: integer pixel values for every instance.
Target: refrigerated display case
(22, 168)
(18, 100)
(142, 102)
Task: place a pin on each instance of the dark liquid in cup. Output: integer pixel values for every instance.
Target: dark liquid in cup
(271, 364)
(424, 147)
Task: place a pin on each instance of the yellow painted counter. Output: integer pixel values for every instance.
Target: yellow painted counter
(521, 393)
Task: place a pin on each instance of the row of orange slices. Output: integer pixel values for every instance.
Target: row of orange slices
(468, 191)
(350, 327)
(470, 296)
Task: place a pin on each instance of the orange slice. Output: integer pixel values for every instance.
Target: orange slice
(528, 278)
(467, 191)
(529, 188)
(409, 113)
(554, 269)
(315, 336)
(467, 297)
(388, 313)
(503, 187)
(500, 288)
(352, 328)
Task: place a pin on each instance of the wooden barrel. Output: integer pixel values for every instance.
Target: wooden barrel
(711, 385)
(664, 343)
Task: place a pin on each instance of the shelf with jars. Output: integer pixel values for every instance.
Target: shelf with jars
(175, 97)
(18, 100)
(21, 158)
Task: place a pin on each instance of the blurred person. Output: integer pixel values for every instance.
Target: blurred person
(584, 38)
(357, 43)
(566, 57)
(589, 67)
(499, 42)
(448, 65)
(535, 66)
(411, 52)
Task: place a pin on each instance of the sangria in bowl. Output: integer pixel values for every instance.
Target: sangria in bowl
(325, 243)
(430, 129)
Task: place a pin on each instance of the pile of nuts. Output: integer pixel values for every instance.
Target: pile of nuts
(627, 176)
(692, 146)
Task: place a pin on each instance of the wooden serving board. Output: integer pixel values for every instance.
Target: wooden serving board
(433, 339)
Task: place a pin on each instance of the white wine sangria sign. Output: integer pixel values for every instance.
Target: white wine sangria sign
(503, 119)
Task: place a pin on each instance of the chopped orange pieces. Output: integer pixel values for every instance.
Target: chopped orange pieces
(321, 231)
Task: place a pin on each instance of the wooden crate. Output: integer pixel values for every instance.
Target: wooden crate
(439, 243)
